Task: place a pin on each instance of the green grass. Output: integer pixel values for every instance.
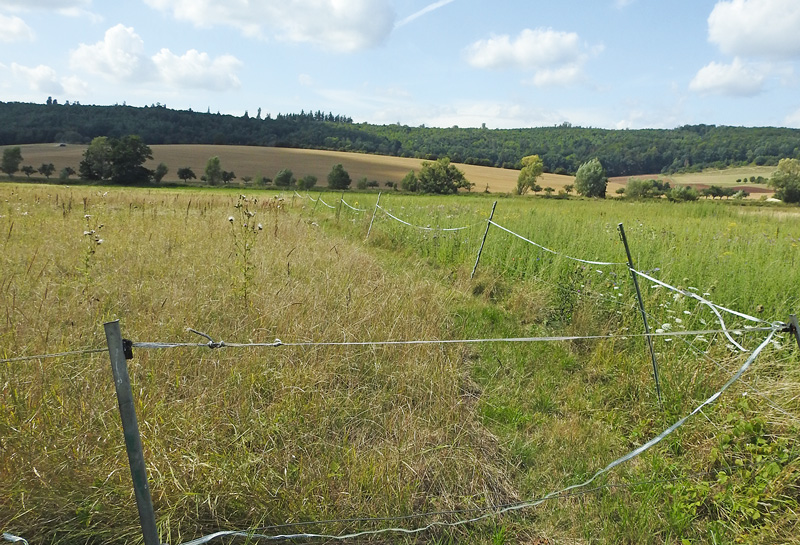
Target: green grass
(248, 438)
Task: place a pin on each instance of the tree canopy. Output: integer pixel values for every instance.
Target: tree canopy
(441, 176)
(786, 180)
(213, 171)
(119, 160)
(12, 157)
(338, 178)
(532, 169)
(591, 180)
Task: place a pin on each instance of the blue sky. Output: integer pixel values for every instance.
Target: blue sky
(506, 63)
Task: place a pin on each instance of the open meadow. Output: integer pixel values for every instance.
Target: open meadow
(313, 435)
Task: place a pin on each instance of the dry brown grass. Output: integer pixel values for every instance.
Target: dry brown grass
(233, 438)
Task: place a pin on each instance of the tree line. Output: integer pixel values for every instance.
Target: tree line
(562, 149)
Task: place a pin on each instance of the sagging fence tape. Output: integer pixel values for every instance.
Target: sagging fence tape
(714, 308)
(344, 202)
(492, 511)
(599, 263)
(14, 539)
(421, 227)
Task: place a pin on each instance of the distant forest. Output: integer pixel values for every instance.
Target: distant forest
(562, 148)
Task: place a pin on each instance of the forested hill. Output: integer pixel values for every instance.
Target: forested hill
(563, 148)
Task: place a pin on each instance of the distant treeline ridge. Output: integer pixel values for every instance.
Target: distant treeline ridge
(562, 148)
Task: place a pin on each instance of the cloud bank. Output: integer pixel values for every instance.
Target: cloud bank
(121, 57)
(555, 57)
(331, 24)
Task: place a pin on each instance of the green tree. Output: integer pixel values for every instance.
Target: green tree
(96, 162)
(283, 178)
(532, 169)
(786, 180)
(186, 173)
(47, 170)
(410, 182)
(228, 177)
(362, 183)
(338, 178)
(66, 172)
(441, 177)
(128, 155)
(681, 194)
(213, 172)
(159, 173)
(12, 157)
(307, 182)
(27, 170)
(569, 188)
(590, 180)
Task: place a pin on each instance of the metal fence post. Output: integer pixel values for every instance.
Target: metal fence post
(642, 311)
(480, 251)
(130, 428)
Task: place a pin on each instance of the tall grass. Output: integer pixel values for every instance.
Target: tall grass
(259, 437)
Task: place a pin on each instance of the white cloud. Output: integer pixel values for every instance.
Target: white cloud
(44, 79)
(556, 57)
(532, 49)
(121, 57)
(197, 70)
(620, 4)
(14, 29)
(48, 5)
(735, 79)
(40, 78)
(769, 28)
(341, 25)
(305, 80)
(70, 8)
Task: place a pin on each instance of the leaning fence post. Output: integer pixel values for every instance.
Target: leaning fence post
(373, 214)
(641, 309)
(794, 328)
(130, 428)
(480, 250)
(339, 208)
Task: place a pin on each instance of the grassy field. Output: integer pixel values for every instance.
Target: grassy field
(259, 437)
(260, 161)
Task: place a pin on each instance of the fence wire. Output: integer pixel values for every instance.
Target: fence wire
(492, 512)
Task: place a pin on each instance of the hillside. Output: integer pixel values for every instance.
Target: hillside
(261, 161)
(563, 148)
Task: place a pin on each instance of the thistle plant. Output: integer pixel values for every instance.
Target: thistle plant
(244, 231)
(92, 239)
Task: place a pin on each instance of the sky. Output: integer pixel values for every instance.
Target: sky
(503, 63)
